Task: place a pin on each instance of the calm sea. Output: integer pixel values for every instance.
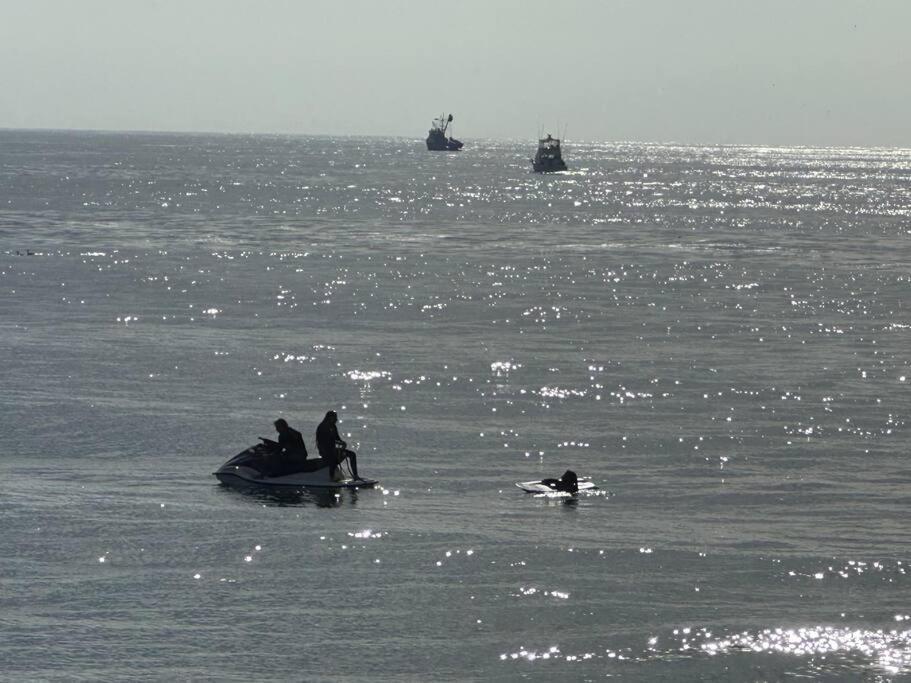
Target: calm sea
(719, 336)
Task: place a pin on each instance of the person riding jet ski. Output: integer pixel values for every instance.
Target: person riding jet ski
(332, 448)
(287, 455)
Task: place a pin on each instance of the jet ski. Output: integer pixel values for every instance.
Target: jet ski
(258, 467)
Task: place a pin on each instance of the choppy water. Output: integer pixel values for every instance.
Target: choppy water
(719, 336)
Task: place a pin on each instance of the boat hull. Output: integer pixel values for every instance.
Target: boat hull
(549, 166)
(450, 145)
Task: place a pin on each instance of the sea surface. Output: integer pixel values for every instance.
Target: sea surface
(720, 337)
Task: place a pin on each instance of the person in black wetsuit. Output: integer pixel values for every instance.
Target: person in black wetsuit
(569, 482)
(332, 447)
(293, 450)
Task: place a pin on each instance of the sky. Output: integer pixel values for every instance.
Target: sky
(777, 72)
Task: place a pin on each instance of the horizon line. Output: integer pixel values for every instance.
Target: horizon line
(657, 143)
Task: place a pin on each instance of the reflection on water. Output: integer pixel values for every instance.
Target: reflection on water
(822, 648)
(269, 496)
(887, 650)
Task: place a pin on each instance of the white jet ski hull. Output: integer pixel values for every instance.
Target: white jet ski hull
(538, 487)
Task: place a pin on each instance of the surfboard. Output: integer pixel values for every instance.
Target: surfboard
(538, 487)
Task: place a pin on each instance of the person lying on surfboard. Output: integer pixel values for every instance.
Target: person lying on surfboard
(569, 482)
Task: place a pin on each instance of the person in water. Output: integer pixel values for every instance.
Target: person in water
(569, 482)
(332, 448)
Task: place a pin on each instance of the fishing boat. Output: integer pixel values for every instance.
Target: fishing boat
(436, 138)
(548, 158)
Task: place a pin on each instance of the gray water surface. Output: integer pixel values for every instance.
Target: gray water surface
(718, 336)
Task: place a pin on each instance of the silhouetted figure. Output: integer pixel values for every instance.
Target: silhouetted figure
(569, 482)
(291, 454)
(332, 447)
(291, 440)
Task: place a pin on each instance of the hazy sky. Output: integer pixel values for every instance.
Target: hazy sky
(759, 71)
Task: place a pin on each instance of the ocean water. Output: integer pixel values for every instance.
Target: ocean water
(719, 336)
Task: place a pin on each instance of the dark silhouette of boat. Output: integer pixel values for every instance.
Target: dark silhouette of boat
(548, 158)
(436, 138)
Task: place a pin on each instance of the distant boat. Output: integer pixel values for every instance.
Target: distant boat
(549, 157)
(436, 138)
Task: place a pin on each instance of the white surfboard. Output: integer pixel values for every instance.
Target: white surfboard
(538, 487)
